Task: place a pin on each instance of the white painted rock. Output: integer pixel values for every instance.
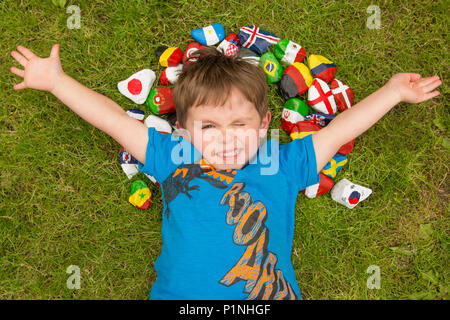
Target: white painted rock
(349, 194)
(137, 86)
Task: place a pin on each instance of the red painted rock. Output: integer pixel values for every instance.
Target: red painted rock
(342, 94)
(190, 49)
(321, 67)
(325, 184)
(170, 75)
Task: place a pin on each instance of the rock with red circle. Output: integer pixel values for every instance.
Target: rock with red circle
(190, 49)
(137, 86)
(349, 194)
(160, 100)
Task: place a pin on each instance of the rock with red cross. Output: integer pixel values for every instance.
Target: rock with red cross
(342, 94)
(137, 86)
(320, 97)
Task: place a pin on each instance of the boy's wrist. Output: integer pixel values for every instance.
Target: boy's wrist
(58, 82)
(392, 93)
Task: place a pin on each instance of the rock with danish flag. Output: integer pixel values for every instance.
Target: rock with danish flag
(320, 97)
(137, 86)
(160, 100)
(294, 111)
(256, 39)
(349, 194)
(334, 165)
(209, 35)
(169, 56)
(322, 119)
(170, 75)
(321, 67)
(230, 45)
(325, 184)
(295, 81)
(343, 94)
(289, 52)
(190, 49)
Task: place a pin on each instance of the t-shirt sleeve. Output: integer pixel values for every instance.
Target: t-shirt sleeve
(158, 162)
(298, 161)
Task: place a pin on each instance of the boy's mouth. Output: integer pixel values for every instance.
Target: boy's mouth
(229, 154)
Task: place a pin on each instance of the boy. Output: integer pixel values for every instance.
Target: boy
(228, 215)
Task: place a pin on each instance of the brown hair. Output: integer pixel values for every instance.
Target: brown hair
(210, 79)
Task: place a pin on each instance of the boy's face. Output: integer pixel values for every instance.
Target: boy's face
(227, 136)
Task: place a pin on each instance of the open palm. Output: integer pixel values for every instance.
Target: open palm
(413, 88)
(39, 73)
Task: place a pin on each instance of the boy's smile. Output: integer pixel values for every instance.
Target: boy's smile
(228, 135)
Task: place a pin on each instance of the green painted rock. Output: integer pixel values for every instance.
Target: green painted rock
(295, 110)
(140, 195)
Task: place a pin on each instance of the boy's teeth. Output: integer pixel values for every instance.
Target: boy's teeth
(227, 154)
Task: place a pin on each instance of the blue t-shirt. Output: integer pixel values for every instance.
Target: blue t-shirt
(227, 234)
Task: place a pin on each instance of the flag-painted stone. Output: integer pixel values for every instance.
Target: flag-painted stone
(303, 129)
(321, 67)
(343, 94)
(334, 165)
(137, 86)
(169, 56)
(347, 148)
(160, 124)
(128, 163)
(140, 195)
(294, 111)
(190, 49)
(256, 39)
(289, 52)
(271, 67)
(209, 35)
(230, 45)
(160, 100)
(322, 119)
(136, 114)
(325, 184)
(170, 75)
(248, 55)
(295, 81)
(349, 194)
(320, 97)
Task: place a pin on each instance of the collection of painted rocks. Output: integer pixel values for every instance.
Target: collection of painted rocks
(284, 66)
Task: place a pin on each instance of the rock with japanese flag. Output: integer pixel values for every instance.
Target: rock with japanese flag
(190, 49)
(256, 39)
(170, 75)
(349, 194)
(325, 184)
(294, 111)
(320, 97)
(289, 52)
(334, 165)
(137, 86)
(295, 81)
(169, 56)
(230, 45)
(209, 35)
(160, 100)
(140, 195)
(343, 94)
(321, 67)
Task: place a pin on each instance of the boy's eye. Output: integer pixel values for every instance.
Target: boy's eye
(207, 126)
(239, 124)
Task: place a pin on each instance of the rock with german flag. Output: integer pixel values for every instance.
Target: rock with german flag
(321, 67)
(140, 195)
(169, 56)
(295, 81)
(160, 100)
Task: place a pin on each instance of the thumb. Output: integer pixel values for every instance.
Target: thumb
(55, 51)
(414, 77)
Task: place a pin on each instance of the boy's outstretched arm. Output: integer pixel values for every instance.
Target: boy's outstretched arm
(100, 111)
(406, 87)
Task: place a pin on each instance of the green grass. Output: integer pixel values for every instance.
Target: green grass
(63, 196)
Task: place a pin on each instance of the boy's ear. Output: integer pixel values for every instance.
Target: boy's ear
(183, 132)
(265, 124)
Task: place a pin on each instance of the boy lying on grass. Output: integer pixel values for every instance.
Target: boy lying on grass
(229, 198)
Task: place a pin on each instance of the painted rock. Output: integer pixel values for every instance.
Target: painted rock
(136, 114)
(170, 75)
(249, 56)
(325, 184)
(169, 56)
(140, 195)
(128, 163)
(137, 86)
(303, 129)
(230, 45)
(209, 35)
(342, 94)
(160, 124)
(256, 39)
(190, 49)
(320, 97)
(160, 100)
(347, 148)
(349, 194)
(334, 165)
(289, 52)
(321, 119)
(295, 81)
(294, 111)
(321, 67)
(271, 67)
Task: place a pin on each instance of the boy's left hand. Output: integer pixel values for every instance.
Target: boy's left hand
(412, 88)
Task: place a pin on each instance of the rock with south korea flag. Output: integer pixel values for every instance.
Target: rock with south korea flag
(209, 35)
(137, 86)
(349, 194)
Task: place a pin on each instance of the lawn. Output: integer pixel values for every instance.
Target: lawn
(63, 195)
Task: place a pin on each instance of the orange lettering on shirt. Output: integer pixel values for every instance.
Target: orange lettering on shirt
(250, 224)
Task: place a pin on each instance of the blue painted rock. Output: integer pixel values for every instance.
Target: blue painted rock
(321, 119)
(320, 97)
(294, 111)
(289, 52)
(230, 45)
(128, 163)
(271, 67)
(209, 35)
(349, 194)
(136, 114)
(325, 184)
(140, 195)
(169, 56)
(334, 165)
(295, 81)
(170, 75)
(190, 49)
(248, 55)
(321, 67)
(342, 94)
(256, 39)
(137, 86)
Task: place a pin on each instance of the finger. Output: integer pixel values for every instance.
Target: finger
(26, 52)
(414, 76)
(17, 71)
(20, 86)
(430, 95)
(431, 86)
(55, 51)
(426, 81)
(20, 58)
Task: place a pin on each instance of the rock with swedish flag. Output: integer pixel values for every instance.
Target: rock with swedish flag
(334, 165)
(140, 195)
(271, 67)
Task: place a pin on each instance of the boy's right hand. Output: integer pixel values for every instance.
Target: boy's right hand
(39, 73)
